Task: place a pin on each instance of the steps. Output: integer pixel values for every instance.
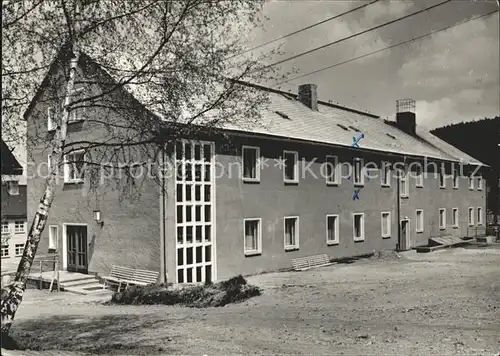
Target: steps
(84, 284)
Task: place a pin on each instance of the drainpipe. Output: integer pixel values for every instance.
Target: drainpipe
(398, 204)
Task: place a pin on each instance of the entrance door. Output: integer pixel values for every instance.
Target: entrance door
(77, 248)
(404, 243)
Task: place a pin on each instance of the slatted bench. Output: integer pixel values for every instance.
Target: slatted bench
(128, 276)
(305, 263)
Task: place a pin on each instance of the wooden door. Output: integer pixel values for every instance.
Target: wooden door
(77, 248)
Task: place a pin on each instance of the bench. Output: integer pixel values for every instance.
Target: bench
(128, 276)
(305, 263)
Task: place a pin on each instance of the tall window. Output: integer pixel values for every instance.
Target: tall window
(332, 229)
(18, 226)
(442, 177)
(471, 182)
(479, 183)
(471, 216)
(359, 178)
(291, 233)
(419, 177)
(419, 226)
(5, 251)
(51, 123)
(403, 184)
(455, 179)
(332, 176)
(78, 113)
(251, 171)
(53, 237)
(253, 239)
(480, 216)
(386, 224)
(291, 167)
(359, 226)
(19, 250)
(74, 167)
(454, 217)
(386, 174)
(442, 218)
(5, 227)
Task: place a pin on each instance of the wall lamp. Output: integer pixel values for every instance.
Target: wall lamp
(97, 217)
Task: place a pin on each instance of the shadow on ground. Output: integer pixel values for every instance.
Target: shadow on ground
(106, 334)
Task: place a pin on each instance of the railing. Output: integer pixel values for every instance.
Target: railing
(476, 231)
(52, 259)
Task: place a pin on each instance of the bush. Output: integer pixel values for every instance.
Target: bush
(219, 294)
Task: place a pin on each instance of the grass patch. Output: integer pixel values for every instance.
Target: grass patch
(219, 294)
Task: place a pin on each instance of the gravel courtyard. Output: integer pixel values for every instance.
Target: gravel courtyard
(446, 302)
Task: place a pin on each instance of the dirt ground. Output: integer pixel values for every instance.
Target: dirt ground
(442, 303)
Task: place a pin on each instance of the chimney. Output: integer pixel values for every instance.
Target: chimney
(308, 95)
(405, 116)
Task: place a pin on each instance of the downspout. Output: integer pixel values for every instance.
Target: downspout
(163, 257)
(398, 202)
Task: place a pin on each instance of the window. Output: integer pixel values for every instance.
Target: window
(471, 216)
(77, 114)
(454, 217)
(442, 178)
(291, 233)
(18, 226)
(252, 237)
(251, 171)
(386, 174)
(455, 179)
(359, 178)
(359, 226)
(419, 226)
(51, 124)
(5, 251)
(291, 167)
(479, 183)
(419, 177)
(53, 237)
(471, 182)
(403, 183)
(480, 216)
(442, 218)
(13, 187)
(19, 250)
(74, 167)
(332, 229)
(386, 224)
(5, 227)
(332, 176)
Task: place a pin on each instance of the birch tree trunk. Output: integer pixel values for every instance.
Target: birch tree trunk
(12, 294)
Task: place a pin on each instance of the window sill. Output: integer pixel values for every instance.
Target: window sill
(419, 186)
(360, 239)
(52, 250)
(332, 184)
(332, 243)
(19, 232)
(75, 121)
(455, 227)
(442, 187)
(385, 185)
(252, 253)
(419, 231)
(251, 180)
(359, 184)
(5, 257)
(442, 228)
(291, 248)
(291, 182)
(386, 237)
(80, 181)
(456, 188)
(404, 196)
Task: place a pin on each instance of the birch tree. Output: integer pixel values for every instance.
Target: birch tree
(171, 55)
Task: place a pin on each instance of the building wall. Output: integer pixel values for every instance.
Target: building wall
(15, 239)
(130, 234)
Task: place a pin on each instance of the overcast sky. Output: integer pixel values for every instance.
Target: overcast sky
(453, 75)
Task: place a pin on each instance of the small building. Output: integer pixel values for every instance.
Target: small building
(311, 178)
(14, 212)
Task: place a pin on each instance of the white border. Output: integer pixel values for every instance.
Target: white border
(65, 243)
(362, 238)
(56, 238)
(257, 163)
(479, 210)
(296, 172)
(297, 233)
(388, 235)
(470, 217)
(416, 220)
(384, 175)
(361, 173)
(336, 227)
(65, 169)
(480, 182)
(442, 227)
(258, 251)
(335, 170)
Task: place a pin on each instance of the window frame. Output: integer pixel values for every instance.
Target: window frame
(386, 175)
(404, 178)
(471, 182)
(479, 215)
(67, 180)
(417, 230)
(389, 220)
(4, 248)
(22, 250)
(470, 217)
(19, 231)
(442, 227)
(257, 251)
(362, 237)
(51, 125)
(479, 182)
(297, 224)
(257, 164)
(419, 179)
(442, 174)
(455, 220)
(335, 170)
(336, 227)
(456, 179)
(5, 223)
(51, 238)
(361, 182)
(72, 118)
(295, 154)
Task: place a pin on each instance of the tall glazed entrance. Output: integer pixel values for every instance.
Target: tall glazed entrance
(194, 213)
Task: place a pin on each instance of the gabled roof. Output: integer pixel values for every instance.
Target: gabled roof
(10, 165)
(14, 206)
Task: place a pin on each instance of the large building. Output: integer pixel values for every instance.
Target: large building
(312, 178)
(14, 227)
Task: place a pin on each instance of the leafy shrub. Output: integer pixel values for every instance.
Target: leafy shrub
(219, 294)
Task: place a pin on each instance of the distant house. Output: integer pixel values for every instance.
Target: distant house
(14, 211)
(314, 178)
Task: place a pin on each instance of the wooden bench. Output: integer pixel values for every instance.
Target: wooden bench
(128, 276)
(305, 263)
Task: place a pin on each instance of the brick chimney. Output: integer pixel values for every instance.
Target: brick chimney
(308, 95)
(405, 116)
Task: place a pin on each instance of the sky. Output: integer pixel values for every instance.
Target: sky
(452, 75)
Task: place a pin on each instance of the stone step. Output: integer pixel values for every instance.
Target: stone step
(79, 282)
(85, 289)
